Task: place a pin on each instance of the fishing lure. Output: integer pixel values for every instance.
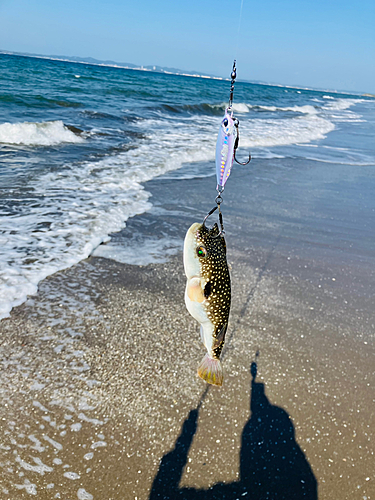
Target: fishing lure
(227, 141)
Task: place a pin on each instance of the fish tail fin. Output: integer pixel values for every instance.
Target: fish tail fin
(211, 371)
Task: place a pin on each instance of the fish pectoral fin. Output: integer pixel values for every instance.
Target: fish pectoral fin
(211, 371)
(194, 290)
(220, 337)
(207, 289)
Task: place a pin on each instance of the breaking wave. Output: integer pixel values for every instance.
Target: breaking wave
(38, 134)
(62, 214)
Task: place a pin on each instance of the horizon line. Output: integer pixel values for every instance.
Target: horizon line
(165, 72)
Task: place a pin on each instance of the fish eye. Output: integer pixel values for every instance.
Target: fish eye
(201, 252)
(225, 122)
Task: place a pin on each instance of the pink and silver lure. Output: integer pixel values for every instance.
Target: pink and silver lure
(225, 149)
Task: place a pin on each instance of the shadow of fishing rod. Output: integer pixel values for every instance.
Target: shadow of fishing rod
(172, 465)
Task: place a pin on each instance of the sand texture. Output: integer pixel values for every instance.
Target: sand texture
(100, 398)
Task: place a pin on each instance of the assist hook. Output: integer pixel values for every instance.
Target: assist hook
(236, 123)
(218, 201)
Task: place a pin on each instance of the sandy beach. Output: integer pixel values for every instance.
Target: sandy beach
(99, 388)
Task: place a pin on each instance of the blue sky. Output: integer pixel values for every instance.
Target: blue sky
(322, 44)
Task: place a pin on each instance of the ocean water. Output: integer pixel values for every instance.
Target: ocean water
(78, 141)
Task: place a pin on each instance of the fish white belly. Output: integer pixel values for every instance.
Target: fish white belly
(198, 311)
(207, 330)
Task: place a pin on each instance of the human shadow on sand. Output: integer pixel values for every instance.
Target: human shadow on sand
(272, 465)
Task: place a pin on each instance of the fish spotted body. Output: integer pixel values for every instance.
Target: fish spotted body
(208, 294)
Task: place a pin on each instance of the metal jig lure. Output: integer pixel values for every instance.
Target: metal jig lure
(226, 147)
(227, 141)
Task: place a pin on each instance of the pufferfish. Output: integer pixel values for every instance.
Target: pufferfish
(208, 294)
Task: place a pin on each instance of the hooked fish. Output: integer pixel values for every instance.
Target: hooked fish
(208, 294)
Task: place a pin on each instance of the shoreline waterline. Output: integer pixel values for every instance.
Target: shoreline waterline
(104, 357)
(77, 147)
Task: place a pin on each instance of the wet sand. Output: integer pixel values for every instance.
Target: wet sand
(100, 396)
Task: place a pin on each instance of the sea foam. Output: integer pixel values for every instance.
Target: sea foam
(37, 134)
(306, 109)
(89, 200)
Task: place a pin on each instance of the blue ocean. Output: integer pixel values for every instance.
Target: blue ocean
(78, 142)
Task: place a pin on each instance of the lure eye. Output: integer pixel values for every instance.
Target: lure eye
(201, 252)
(225, 122)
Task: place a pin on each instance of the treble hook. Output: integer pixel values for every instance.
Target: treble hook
(236, 123)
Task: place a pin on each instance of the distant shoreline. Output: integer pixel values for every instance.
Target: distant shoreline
(113, 64)
(172, 71)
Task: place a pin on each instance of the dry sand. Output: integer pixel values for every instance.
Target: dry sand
(100, 397)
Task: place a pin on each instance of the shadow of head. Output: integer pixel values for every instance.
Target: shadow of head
(272, 465)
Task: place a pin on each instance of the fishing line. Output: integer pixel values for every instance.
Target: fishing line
(239, 29)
